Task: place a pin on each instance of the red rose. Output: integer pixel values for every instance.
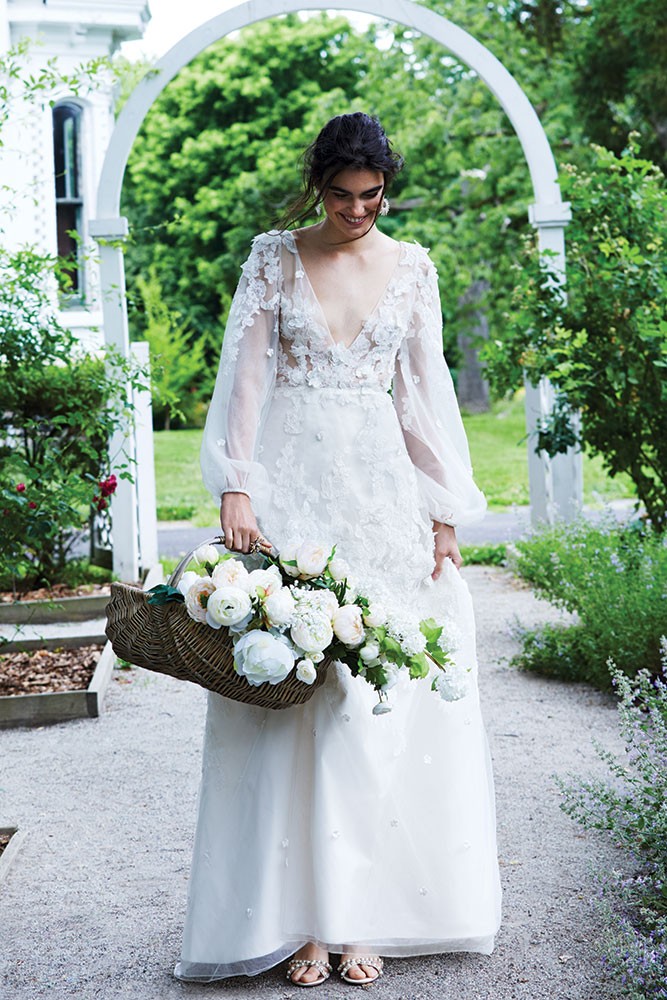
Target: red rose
(32, 505)
(20, 488)
(102, 503)
(6, 511)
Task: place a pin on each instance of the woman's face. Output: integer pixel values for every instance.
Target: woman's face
(353, 200)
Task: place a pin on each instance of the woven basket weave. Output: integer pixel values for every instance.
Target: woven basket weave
(164, 638)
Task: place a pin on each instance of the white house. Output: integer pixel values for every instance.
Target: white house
(51, 158)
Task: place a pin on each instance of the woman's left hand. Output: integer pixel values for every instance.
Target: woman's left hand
(446, 547)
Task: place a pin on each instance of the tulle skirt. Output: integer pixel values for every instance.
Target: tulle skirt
(324, 822)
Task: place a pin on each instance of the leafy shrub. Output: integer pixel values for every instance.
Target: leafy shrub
(632, 809)
(605, 348)
(615, 580)
(486, 555)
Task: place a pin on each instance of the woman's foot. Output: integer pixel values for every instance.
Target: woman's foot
(358, 970)
(309, 973)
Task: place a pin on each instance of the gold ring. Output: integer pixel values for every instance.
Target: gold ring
(257, 543)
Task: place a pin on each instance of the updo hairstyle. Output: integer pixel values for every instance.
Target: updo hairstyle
(356, 140)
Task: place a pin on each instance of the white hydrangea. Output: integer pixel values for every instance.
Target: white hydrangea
(453, 683)
(406, 631)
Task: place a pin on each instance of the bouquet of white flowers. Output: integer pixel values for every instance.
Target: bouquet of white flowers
(299, 611)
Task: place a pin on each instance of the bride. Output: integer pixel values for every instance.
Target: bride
(326, 828)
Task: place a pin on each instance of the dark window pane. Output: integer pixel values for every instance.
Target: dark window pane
(66, 122)
(67, 218)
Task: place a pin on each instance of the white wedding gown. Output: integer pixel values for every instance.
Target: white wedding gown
(324, 822)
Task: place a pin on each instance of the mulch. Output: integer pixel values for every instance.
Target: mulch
(57, 591)
(44, 670)
(4, 840)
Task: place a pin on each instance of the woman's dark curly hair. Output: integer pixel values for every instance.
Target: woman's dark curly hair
(356, 140)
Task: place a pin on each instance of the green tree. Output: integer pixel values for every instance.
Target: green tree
(176, 364)
(605, 349)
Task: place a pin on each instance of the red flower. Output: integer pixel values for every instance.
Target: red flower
(6, 511)
(108, 485)
(102, 503)
(32, 505)
(20, 488)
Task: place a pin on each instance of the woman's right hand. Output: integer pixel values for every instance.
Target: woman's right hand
(239, 524)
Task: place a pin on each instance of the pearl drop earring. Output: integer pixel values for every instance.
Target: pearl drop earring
(385, 207)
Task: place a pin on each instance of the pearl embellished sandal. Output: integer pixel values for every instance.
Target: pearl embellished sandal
(373, 960)
(297, 963)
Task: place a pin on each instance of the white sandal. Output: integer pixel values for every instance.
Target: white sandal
(322, 967)
(373, 960)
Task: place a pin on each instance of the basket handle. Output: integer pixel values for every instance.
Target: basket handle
(178, 572)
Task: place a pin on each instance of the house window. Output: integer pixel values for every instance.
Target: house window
(69, 200)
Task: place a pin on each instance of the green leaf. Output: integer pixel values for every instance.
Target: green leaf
(164, 594)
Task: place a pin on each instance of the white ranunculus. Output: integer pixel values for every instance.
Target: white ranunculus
(338, 568)
(370, 651)
(305, 671)
(196, 599)
(230, 572)
(312, 630)
(227, 606)
(279, 607)
(375, 615)
(288, 555)
(206, 554)
(261, 657)
(262, 582)
(187, 580)
(317, 657)
(348, 626)
(311, 558)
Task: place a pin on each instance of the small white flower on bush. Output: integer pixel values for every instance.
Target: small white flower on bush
(288, 555)
(227, 606)
(231, 572)
(369, 652)
(338, 568)
(452, 684)
(305, 671)
(348, 626)
(187, 580)
(311, 631)
(262, 582)
(196, 599)
(261, 657)
(311, 559)
(279, 607)
(375, 616)
(206, 554)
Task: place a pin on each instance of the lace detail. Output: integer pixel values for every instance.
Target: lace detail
(276, 342)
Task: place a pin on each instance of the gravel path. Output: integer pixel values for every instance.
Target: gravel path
(94, 903)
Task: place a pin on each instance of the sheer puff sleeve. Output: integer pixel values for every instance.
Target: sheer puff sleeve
(245, 379)
(428, 411)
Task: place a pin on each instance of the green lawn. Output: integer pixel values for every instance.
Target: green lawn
(499, 459)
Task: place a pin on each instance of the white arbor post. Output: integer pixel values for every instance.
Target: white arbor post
(124, 522)
(145, 478)
(554, 485)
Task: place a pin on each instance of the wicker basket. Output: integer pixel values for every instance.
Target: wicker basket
(164, 638)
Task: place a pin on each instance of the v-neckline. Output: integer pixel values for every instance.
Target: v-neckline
(325, 324)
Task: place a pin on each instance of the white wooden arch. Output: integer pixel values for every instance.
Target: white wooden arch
(554, 485)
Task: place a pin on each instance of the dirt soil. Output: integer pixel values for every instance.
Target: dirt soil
(57, 591)
(4, 840)
(42, 670)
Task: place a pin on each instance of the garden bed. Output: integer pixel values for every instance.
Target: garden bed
(60, 680)
(55, 604)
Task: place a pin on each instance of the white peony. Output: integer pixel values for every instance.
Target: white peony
(311, 559)
(370, 651)
(268, 581)
(311, 631)
(305, 671)
(261, 657)
(338, 568)
(196, 599)
(227, 606)
(206, 554)
(187, 580)
(230, 572)
(279, 607)
(288, 555)
(348, 626)
(375, 616)
(452, 684)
